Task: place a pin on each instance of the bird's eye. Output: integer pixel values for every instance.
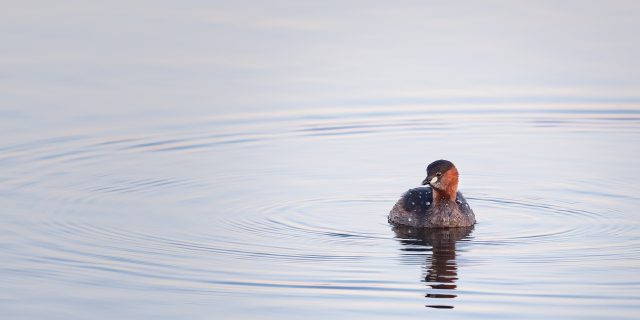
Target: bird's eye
(438, 174)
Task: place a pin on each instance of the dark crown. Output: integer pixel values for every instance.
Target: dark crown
(439, 166)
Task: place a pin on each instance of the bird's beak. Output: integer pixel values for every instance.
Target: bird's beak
(429, 180)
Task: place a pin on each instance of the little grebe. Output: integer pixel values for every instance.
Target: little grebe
(437, 206)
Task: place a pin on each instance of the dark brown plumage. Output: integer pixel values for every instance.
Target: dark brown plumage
(438, 206)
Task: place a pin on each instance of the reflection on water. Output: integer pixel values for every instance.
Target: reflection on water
(236, 159)
(284, 214)
(441, 268)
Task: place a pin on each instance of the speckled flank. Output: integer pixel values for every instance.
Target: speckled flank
(417, 209)
(418, 199)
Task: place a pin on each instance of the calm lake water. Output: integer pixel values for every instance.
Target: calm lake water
(238, 161)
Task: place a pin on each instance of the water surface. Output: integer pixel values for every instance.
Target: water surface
(284, 215)
(210, 160)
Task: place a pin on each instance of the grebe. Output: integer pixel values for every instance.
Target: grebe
(438, 206)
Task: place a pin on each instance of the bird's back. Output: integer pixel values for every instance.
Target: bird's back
(416, 209)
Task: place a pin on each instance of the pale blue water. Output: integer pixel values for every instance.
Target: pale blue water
(221, 161)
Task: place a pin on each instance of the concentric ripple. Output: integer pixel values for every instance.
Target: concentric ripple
(266, 209)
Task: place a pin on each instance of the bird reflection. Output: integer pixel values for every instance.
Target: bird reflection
(441, 269)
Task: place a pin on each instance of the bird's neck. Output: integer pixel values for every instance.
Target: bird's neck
(446, 195)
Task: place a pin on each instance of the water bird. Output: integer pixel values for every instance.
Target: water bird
(439, 205)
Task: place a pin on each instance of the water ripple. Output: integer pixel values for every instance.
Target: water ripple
(243, 206)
